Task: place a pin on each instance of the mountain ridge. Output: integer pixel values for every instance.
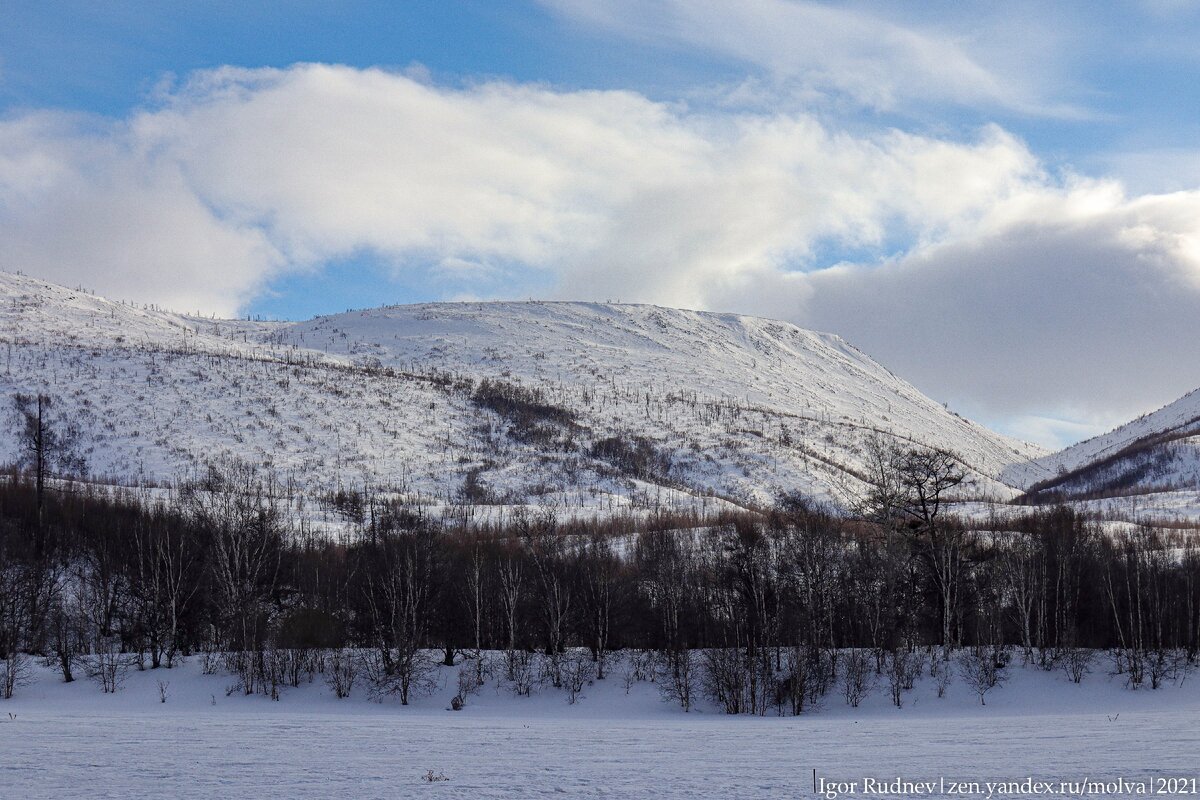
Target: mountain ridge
(741, 407)
(1157, 452)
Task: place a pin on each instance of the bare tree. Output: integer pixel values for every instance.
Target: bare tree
(669, 580)
(69, 633)
(511, 572)
(48, 446)
(858, 676)
(1022, 565)
(600, 569)
(403, 555)
(909, 491)
(14, 623)
(474, 594)
(981, 670)
(166, 557)
(548, 552)
(247, 527)
(903, 667)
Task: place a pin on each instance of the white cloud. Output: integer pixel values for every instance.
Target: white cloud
(241, 174)
(82, 201)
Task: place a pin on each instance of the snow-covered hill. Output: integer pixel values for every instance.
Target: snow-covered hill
(1156, 453)
(591, 407)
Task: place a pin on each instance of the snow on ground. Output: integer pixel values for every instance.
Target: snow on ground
(68, 741)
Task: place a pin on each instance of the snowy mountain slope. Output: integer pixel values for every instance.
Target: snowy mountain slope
(588, 407)
(1158, 452)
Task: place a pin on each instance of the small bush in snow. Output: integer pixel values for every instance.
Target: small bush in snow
(468, 683)
(408, 674)
(14, 672)
(858, 676)
(577, 671)
(902, 668)
(341, 670)
(1077, 662)
(211, 661)
(803, 680)
(107, 665)
(524, 672)
(640, 666)
(730, 679)
(1165, 664)
(982, 668)
(942, 674)
(677, 676)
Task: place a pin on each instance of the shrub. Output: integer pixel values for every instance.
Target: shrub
(982, 668)
(14, 672)
(577, 671)
(530, 419)
(858, 677)
(107, 665)
(1077, 662)
(804, 679)
(902, 669)
(636, 457)
(677, 673)
(523, 672)
(341, 671)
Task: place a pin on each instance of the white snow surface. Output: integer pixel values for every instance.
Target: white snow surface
(66, 741)
(745, 407)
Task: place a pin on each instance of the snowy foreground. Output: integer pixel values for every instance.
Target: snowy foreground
(66, 741)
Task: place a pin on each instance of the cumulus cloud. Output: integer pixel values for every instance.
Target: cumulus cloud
(1013, 293)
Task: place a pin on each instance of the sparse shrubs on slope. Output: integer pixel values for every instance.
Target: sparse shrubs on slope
(1157, 462)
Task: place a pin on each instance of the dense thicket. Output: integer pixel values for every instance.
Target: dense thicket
(753, 609)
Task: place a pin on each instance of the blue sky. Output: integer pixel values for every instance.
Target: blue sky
(998, 201)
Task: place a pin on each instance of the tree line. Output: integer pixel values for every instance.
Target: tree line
(759, 610)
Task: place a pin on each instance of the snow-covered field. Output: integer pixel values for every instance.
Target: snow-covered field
(67, 741)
